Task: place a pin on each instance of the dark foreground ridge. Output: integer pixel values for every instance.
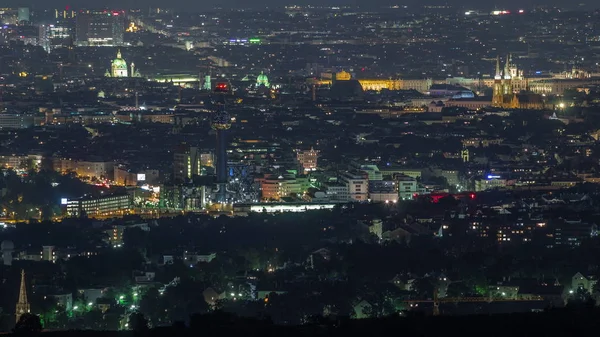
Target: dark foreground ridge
(554, 322)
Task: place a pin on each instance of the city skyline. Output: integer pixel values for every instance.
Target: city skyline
(207, 5)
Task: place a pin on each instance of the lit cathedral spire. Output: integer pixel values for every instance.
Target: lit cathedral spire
(22, 305)
(498, 72)
(507, 68)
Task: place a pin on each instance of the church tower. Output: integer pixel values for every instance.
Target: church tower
(507, 80)
(23, 306)
(498, 95)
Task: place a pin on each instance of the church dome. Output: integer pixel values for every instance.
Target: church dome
(262, 79)
(119, 62)
(119, 66)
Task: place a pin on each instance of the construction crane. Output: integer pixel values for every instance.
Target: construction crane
(437, 300)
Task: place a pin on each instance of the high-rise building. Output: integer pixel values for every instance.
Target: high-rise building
(221, 122)
(100, 28)
(23, 306)
(54, 35)
(188, 162)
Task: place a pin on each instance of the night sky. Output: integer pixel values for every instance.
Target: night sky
(207, 4)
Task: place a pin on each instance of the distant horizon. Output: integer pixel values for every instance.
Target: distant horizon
(272, 4)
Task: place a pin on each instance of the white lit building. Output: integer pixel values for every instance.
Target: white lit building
(489, 183)
(283, 207)
(407, 187)
(92, 169)
(358, 185)
(336, 191)
(103, 206)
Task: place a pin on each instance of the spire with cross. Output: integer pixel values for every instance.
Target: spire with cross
(23, 306)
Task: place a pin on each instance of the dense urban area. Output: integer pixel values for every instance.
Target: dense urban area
(297, 166)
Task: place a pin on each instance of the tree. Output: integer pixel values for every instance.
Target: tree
(424, 287)
(138, 323)
(28, 324)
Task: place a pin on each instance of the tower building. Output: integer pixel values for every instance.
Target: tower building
(221, 122)
(23, 306)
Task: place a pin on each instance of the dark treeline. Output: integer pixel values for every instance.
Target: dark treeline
(580, 321)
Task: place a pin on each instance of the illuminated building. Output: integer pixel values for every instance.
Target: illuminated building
(504, 93)
(285, 207)
(127, 177)
(383, 191)
(407, 186)
(262, 81)
(110, 205)
(49, 253)
(188, 198)
(207, 85)
(132, 28)
(221, 122)
(114, 235)
(188, 162)
(83, 168)
(489, 182)
(307, 159)
(181, 79)
(16, 121)
(16, 161)
(66, 13)
(118, 67)
(100, 28)
(336, 191)
(275, 187)
(421, 85)
(358, 185)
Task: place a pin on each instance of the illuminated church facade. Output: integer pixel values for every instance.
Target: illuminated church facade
(506, 96)
(118, 68)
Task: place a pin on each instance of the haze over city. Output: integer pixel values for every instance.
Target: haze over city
(291, 169)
